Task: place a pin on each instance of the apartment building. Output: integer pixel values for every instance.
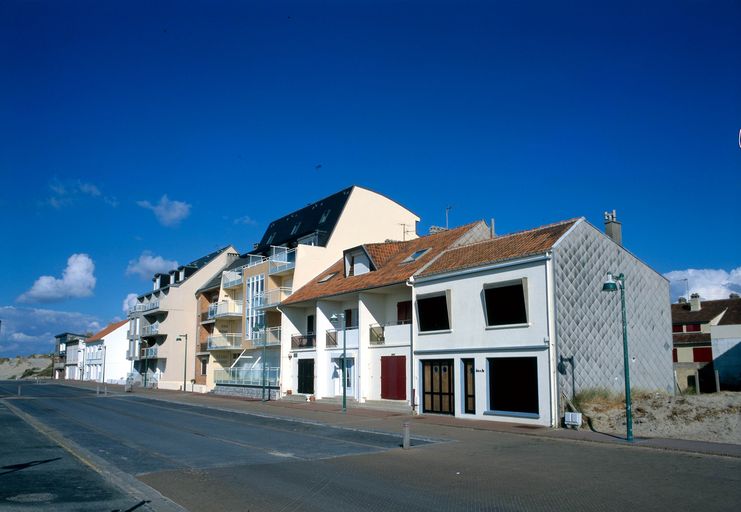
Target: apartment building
(105, 354)
(162, 324)
(360, 310)
(60, 366)
(242, 327)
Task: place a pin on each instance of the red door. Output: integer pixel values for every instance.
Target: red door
(394, 377)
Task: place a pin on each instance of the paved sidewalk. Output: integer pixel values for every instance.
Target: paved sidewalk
(433, 426)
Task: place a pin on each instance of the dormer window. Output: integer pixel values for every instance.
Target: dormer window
(416, 255)
(357, 262)
(295, 228)
(324, 216)
(270, 238)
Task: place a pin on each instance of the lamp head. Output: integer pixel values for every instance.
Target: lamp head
(610, 285)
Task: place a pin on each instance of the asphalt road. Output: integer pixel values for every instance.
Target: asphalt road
(213, 460)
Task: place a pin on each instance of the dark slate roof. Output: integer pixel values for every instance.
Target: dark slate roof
(194, 266)
(215, 281)
(321, 216)
(389, 262)
(709, 309)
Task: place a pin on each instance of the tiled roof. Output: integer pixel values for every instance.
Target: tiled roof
(390, 269)
(500, 248)
(105, 332)
(690, 338)
(709, 309)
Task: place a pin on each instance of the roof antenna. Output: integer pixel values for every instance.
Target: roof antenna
(447, 211)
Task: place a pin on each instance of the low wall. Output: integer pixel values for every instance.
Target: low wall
(246, 391)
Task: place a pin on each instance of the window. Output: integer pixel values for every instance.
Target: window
(404, 312)
(324, 216)
(513, 385)
(295, 228)
(505, 303)
(327, 277)
(692, 328)
(351, 269)
(204, 366)
(415, 256)
(677, 328)
(270, 238)
(433, 313)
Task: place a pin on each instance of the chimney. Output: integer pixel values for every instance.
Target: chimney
(682, 300)
(492, 233)
(613, 228)
(695, 302)
(733, 296)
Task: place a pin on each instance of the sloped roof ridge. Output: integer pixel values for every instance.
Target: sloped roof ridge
(106, 330)
(517, 233)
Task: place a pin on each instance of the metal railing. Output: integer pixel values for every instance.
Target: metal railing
(269, 336)
(248, 376)
(148, 353)
(376, 334)
(272, 297)
(202, 347)
(303, 340)
(228, 308)
(224, 341)
(334, 337)
(281, 260)
(150, 330)
(398, 332)
(231, 279)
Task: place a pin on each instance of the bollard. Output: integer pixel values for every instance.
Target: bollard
(105, 389)
(19, 390)
(97, 389)
(405, 436)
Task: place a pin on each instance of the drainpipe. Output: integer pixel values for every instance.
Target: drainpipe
(410, 284)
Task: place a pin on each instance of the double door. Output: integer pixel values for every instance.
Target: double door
(438, 394)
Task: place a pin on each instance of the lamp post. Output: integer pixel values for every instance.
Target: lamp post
(612, 284)
(259, 326)
(335, 317)
(184, 339)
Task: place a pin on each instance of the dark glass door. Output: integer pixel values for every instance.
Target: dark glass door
(306, 376)
(469, 386)
(437, 384)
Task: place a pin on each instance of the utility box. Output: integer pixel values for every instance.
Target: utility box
(572, 419)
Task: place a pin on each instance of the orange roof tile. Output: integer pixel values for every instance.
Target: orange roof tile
(500, 248)
(389, 261)
(106, 331)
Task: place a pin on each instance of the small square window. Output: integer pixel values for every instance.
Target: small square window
(327, 277)
(432, 313)
(693, 328)
(415, 255)
(505, 304)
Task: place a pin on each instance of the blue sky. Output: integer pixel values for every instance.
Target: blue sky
(137, 132)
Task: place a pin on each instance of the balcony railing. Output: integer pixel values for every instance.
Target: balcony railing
(272, 297)
(303, 341)
(149, 353)
(151, 330)
(334, 337)
(248, 376)
(281, 260)
(231, 341)
(391, 333)
(231, 279)
(202, 347)
(94, 357)
(227, 308)
(254, 259)
(269, 336)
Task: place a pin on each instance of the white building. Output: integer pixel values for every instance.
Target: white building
(105, 354)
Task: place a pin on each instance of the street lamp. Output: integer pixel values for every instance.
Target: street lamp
(259, 327)
(334, 318)
(613, 283)
(185, 357)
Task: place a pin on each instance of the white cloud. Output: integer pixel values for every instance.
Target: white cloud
(78, 280)
(709, 283)
(72, 192)
(128, 302)
(148, 264)
(168, 212)
(246, 219)
(31, 330)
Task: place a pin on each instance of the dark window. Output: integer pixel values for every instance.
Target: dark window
(677, 328)
(692, 327)
(204, 366)
(310, 324)
(415, 255)
(433, 313)
(674, 355)
(505, 305)
(513, 384)
(702, 354)
(404, 312)
(350, 320)
(469, 386)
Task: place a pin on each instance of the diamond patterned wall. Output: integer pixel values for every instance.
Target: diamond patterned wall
(589, 324)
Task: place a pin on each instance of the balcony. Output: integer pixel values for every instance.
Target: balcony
(334, 337)
(267, 337)
(151, 330)
(272, 298)
(94, 357)
(148, 353)
(254, 259)
(389, 334)
(281, 260)
(248, 376)
(299, 341)
(142, 308)
(201, 348)
(230, 341)
(231, 279)
(227, 308)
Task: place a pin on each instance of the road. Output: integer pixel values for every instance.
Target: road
(210, 459)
